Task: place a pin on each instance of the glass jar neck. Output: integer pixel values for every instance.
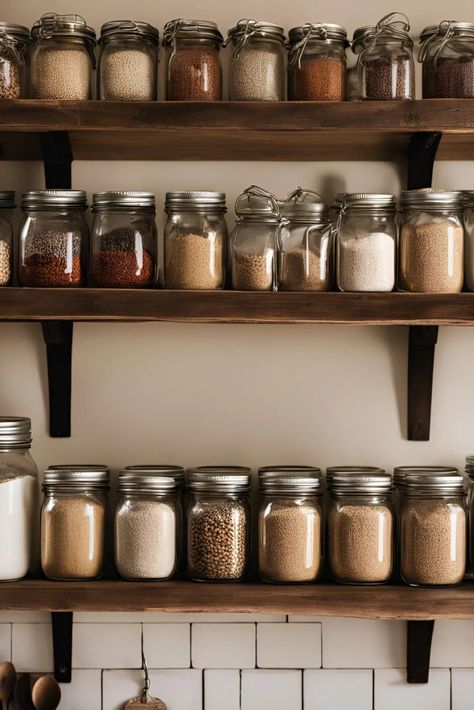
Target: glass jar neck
(73, 491)
(362, 498)
(23, 450)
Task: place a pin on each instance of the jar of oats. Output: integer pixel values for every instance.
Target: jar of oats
(14, 46)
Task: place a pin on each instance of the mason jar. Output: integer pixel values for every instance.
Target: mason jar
(401, 472)
(305, 244)
(54, 238)
(257, 63)
(193, 65)
(124, 240)
(14, 51)
(195, 240)
(431, 241)
(447, 56)
(62, 58)
(218, 525)
(317, 62)
(7, 205)
(366, 243)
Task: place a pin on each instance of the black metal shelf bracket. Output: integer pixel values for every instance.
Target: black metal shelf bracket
(62, 645)
(419, 637)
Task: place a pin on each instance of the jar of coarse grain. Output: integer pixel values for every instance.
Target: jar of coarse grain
(7, 205)
(366, 243)
(128, 62)
(218, 525)
(195, 240)
(433, 530)
(73, 523)
(431, 241)
(447, 55)
(54, 238)
(124, 240)
(317, 62)
(193, 65)
(62, 58)
(385, 65)
(257, 63)
(305, 244)
(14, 51)
(361, 525)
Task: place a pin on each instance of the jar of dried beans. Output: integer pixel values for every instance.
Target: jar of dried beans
(62, 58)
(123, 240)
(218, 525)
(7, 205)
(54, 238)
(128, 64)
(447, 55)
(431, 241)
(257, 69)
(193, 65)
(14, 46)
(195, 240)
(317, 63)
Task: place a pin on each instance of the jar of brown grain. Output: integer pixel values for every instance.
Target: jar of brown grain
(14, 48)
(447, 56)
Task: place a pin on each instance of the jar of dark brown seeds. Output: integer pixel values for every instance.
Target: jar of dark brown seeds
(14, 48)
(447, 55)
(7, 205)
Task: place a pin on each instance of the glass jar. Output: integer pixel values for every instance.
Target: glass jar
(433, 528)
(7, 205)
(447, 55)
(18, 499)
(128, 62)
(218, 525)
(193, 65)
(73, 523)
(317, 63)
(305, 244)
(468, 196)
(431, 241)
(54, 238)
(257, 65)
(14, 47)
(361, 526)
(401, 472)
(62, 58)
(366, 243)
(124, 240)
(385, 64)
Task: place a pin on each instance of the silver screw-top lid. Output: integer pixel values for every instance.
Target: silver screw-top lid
(366, 200)
(195, 201)
(53, 25)
(54, 199)
(190, 29)
(432, 199)
(146, 482)
(401, 472)
(360, 483)
(78, 467)
(291, 482)
(331, 471)
(219, 479)
(15, 433)
(317, 30)
(256, 28)
(129, 28)
(175, 472)
(432, 485)
(83, 477)
(7, 199)
(285, 470)
(103, 201)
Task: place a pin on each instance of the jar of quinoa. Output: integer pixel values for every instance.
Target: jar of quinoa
(447, 56)
(14, 48)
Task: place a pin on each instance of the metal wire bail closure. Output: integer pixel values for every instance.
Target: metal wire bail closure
(450, 30)
(51, 21)
(16, 46)
(255, 191)
(394, 25)
(249, 29)
(310, 31)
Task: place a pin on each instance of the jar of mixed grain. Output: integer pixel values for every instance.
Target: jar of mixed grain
(361, 525)
(128, 63)
(431, 241)
(73, 523)
(433, 530)
(257, 68)
(14, 50)
(317, 62)
(195, 240)
(54, 238)
(447, 55)
(305, 244)
(62, 58)
(218, 525)
(366, 243)
(7, 205)
(193, 65)
(124, 240)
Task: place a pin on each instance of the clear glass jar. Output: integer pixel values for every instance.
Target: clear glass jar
(62, 58)
(218, 525)
(14, 50)
(317, 63)
(257, 63)
(54, 239)
(124, 240)
(431, 241)
(7, 205)
(305, 244)
(361, 525)
(73, 523)
(433, 530)
(193, 65)
(468, 196)
(447, 55)
(366, 243)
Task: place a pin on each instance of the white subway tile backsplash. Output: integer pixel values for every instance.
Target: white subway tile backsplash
(392, 692)
(107, 646)
(338, 689)
(288, 645)
(85, 691)
(32, 648)
(462, 688)
(363, 643)
(167, 645)
(25, 617)
(180, 690)
(271, 690)
(223, 645)
(221, 690)
(453, 644)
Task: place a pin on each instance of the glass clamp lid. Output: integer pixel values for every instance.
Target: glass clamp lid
(15, 432)
(445, 31)
(190, 29)
(432, 199)
(7, 197)
(103, 201)
(53, 25)
(54, 199)
(218, 480)
(195, 201)
(299, 37)
(303, 205)
(15, 39)
(128, 28)
(257, 204)
(246, 30)
(393, 27)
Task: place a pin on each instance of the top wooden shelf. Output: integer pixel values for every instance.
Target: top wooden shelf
(101, 130)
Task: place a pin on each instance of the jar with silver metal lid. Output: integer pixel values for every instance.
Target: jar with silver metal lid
(305, 244)
(128, 62)
(195, 240)
(317, 62)
(401, 472)
(7, 206)
(447, 55)
(193, 65)
(257, 66)
(431, 241)
(218, 525)
(366, 243)
(62, 58)
(14, 55)
(124, 240)
(54, 238)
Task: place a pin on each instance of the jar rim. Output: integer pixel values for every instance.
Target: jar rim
(436, 199)
(146, 482)
(40, 199)
(53, 25)
(17, 32)
(123, 199)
